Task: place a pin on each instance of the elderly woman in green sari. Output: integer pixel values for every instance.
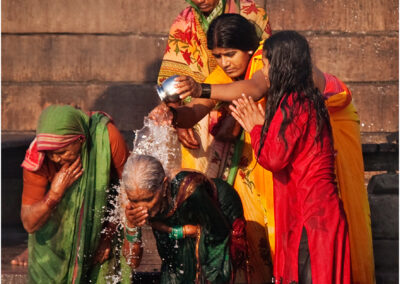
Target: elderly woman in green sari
(67, 171)
(197, 222)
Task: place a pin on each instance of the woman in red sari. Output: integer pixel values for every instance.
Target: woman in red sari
(293, 140)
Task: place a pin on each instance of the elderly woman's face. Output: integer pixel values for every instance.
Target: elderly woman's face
(67, 154)
(206, 6)
(146, 199)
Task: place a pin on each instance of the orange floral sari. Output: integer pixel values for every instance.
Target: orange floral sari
(186, 52)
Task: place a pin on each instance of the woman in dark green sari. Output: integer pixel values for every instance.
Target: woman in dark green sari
(198, 223)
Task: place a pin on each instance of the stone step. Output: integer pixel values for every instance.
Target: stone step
(147, 272)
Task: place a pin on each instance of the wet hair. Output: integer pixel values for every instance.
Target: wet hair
(290, 71)
(232, 31)
(144, 172)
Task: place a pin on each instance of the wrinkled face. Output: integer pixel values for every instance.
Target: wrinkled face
(152, 201)
(233, 61)
(67, 154)
(206, 6)
(265, 68)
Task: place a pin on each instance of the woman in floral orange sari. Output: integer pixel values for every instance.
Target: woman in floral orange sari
(186, 52)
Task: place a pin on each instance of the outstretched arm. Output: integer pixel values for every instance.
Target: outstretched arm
(256, 87)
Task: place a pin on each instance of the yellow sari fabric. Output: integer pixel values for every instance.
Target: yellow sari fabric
(253, 183)
(350, 178)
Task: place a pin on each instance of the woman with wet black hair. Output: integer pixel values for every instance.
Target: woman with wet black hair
(292, 139)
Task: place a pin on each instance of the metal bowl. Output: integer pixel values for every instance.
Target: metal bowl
(167, 91)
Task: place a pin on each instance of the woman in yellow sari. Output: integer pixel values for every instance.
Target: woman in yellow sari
(228, 156)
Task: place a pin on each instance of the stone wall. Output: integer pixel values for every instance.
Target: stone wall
(106, 55)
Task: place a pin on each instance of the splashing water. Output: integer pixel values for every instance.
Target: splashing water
(161, 142)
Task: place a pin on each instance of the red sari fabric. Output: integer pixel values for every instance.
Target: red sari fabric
(305, 195)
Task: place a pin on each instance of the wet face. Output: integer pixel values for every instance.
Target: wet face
(233, 61)
(67, 154)
(206, 6)
(152, 201)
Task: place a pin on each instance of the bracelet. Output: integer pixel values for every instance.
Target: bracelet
(137, 237)
(50, 202)
(176, 233)
(131, 229)
(174, 115)
(205, 91)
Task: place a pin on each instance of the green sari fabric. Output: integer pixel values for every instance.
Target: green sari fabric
(201, 206)
(71, 235)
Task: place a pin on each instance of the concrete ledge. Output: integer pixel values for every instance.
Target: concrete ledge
(384, 184)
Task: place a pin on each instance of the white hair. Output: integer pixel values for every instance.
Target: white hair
(142, 171)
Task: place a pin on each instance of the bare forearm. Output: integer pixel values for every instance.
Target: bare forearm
(256, 87)
(189, 115)
(35, 216)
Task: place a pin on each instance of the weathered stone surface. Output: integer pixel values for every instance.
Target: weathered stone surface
(377, 105)
(74, 16)
(377, 137)
(107, 16)
(386, 254)
(384, 216)
(81, 58)
(381, 160)
(334, 15)
(357, 58)
(384, 184)
(137, 58)
(126, 103)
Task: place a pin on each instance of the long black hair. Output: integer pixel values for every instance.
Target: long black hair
(290, 71)
(232, 31)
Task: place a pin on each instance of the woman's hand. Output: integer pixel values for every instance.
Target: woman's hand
(161, 115)
(187, 138)
(64, 178)
(187, 86)
(103, 250)
(133, 253)
(135, 216)
(247, 113)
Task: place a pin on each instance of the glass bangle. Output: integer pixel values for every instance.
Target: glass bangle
(176, 233)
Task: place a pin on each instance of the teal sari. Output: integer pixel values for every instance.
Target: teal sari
(62, 250)
(212, 205)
